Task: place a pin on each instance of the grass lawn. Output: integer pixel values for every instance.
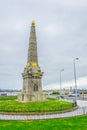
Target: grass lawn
(5, 98)
(75, 123)
(11, 105)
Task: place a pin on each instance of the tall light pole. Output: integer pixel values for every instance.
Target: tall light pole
(75, 79)
(60, 80)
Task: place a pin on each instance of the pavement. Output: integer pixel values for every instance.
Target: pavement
(80, 111)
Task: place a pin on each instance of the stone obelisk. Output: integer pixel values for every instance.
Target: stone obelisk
(32, 75)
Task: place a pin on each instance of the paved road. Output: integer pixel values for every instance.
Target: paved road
(82, 110)
(69, 98)
(82, 103)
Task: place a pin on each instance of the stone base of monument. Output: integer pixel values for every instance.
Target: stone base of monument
(33, 97)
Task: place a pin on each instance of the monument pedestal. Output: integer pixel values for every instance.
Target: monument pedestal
(35, 96)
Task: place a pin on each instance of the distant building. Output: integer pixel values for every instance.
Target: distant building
(32, 75)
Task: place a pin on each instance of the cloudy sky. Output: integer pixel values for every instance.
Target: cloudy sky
(61, 27)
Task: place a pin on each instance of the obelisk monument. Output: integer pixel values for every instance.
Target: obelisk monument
(32, 75)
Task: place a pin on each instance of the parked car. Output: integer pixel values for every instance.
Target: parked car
(74, 95)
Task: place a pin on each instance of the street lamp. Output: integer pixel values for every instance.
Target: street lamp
(60, 80)
(75, 79)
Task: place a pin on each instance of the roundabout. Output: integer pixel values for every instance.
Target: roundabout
(50, 106)
(77, 112)
(50, 109)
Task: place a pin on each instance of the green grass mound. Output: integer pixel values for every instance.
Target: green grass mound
(75, 123)
(51, 105)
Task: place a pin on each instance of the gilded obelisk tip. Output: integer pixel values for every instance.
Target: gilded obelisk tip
(33, 22)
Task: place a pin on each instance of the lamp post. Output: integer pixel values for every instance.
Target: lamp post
(75, 79)
(60, 80)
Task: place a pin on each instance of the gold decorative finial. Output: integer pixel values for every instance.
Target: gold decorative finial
(33, 22)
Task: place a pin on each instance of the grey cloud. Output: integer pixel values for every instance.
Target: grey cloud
(61, 28)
